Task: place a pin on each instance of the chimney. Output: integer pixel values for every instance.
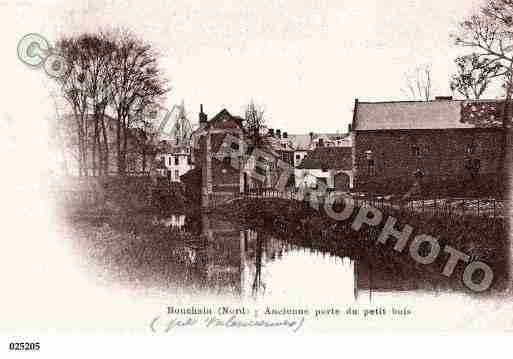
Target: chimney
(278, 133)
(202, 116)
(349, 128)
(321, 142)
(271, 132)
(285, 135)
(443, 98)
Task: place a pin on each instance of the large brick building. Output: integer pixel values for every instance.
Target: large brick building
(434, 145)
(226, 172)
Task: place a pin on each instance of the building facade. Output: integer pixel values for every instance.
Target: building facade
(435, 144)
(175, 159)
(226, 172)
(330, 165)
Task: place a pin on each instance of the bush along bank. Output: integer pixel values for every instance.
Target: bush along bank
(405, 249)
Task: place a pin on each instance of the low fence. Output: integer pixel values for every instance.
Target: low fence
(486, 207)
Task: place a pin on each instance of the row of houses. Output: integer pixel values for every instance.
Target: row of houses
(390, 147)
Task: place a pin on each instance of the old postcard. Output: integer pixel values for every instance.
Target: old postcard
(279, 167)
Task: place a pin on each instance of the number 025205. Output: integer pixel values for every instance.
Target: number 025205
(24, 346)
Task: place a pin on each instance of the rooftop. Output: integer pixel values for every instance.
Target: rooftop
(437, 114)
(225, 120)
(303, 141)
(330, 158)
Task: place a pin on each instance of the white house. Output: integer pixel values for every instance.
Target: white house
(176, 160)
(330, 165)
(305, 143)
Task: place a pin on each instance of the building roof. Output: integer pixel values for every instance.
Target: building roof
(300, 142)
(303, 141)
(170, 147)
(437, 114)
(329, 158)
(224, 120)
(279, 144)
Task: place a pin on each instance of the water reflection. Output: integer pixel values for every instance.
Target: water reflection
(211, 255)
(238, 260)
(174, 221)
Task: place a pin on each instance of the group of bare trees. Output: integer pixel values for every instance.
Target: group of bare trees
(488, 35)
(112, 79)
(255, 123)
(418, 83)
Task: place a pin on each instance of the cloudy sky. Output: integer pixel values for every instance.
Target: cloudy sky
(305, 61)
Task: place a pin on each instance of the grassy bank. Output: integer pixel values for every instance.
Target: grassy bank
(481, 238)
(133, 251)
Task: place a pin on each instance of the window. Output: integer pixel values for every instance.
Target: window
(177, 175)
(371, 167)
(189, 160)
(298, 157)
(473, 166)
(176, 160)
(477, 164)
(415, 150)
(169, 160)
(471, 149)
(369, 156)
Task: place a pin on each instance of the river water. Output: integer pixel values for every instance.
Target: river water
(205, 259)
(221, 257)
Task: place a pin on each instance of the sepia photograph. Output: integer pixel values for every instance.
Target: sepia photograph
(251, 167)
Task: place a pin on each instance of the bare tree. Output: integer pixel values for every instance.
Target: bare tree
(99, 51)
(74, 92)
(108, 71)
(489, 34)
(474, 75)
(418, 83)
(254, 124)
(138, 83)
(146, 137)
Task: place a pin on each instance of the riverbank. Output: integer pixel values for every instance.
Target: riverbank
(136, 252)
(482, 239)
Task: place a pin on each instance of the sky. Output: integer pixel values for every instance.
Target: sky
(305, 62)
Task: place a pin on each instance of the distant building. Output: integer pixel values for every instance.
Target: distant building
(137, 161)
(305, 143)
(220, 178)
(330, 165)
(401, 144)
(282, 145)
(176, 159)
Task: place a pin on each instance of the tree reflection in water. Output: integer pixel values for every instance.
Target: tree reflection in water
(205, 255)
